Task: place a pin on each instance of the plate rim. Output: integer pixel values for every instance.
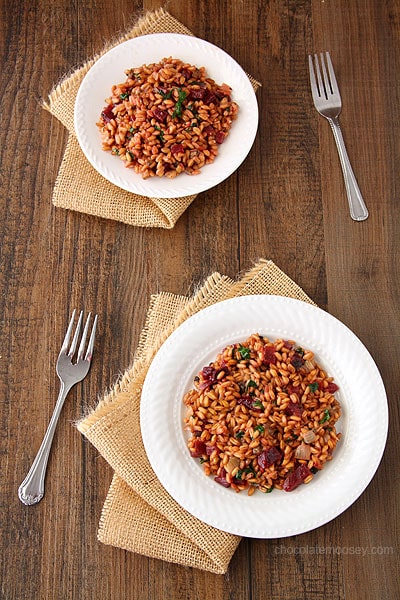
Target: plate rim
(267, 532)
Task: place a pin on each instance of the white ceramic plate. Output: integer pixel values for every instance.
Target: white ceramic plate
(110, 69)
(363, 423)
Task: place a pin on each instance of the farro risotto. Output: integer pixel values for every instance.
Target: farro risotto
(262, 416)
(167, 118)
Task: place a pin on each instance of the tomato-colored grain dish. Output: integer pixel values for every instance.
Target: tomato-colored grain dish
(262, 416)
(167, 118)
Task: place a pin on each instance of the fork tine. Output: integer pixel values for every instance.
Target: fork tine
(83, 340)
(321, 85)
(312, 74)
(65, 343)
(76, 335)
(327, 83)
(89, 350)
(334, 85)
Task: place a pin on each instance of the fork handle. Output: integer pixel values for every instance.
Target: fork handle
(358, 210)
(31, 490)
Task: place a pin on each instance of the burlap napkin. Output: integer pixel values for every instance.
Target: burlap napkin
(138, 514)
(78, 185)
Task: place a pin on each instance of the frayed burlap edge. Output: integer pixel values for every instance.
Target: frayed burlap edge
(114, 429)
(123, 504)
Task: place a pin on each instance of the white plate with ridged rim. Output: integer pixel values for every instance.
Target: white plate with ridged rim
(364, 420)
(110, 69)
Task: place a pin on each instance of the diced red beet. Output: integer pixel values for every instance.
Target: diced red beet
(209, 97)
(224, 367)
(297, 360)
(199, 448)
(208, 371)
(332, 387)
(221, 478)
(293, 389)
(209, 130)
(269, 357)
(197, 93)
(186, 73)
(160, 114)
(241, 482)
(246, 401)
(210, 449)
(295, 409)
(177, 148)
(293, 480)
(268, 457)
(107, 113)
(210, 376)
(249, 402)
(220, 137)
(222, 481)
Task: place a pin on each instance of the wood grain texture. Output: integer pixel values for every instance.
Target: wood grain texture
(286, 202)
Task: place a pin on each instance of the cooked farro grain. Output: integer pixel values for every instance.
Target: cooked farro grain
(262, 416)
(167, 118)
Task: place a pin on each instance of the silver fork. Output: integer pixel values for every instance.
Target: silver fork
(31, 489)
(328, 103)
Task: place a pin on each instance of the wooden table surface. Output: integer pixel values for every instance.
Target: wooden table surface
(287, 203)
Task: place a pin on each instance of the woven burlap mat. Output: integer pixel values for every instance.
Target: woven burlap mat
(138, 514)
(78, 185)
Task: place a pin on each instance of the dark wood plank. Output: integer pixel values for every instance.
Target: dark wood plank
(287, 202)
(364, 270)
